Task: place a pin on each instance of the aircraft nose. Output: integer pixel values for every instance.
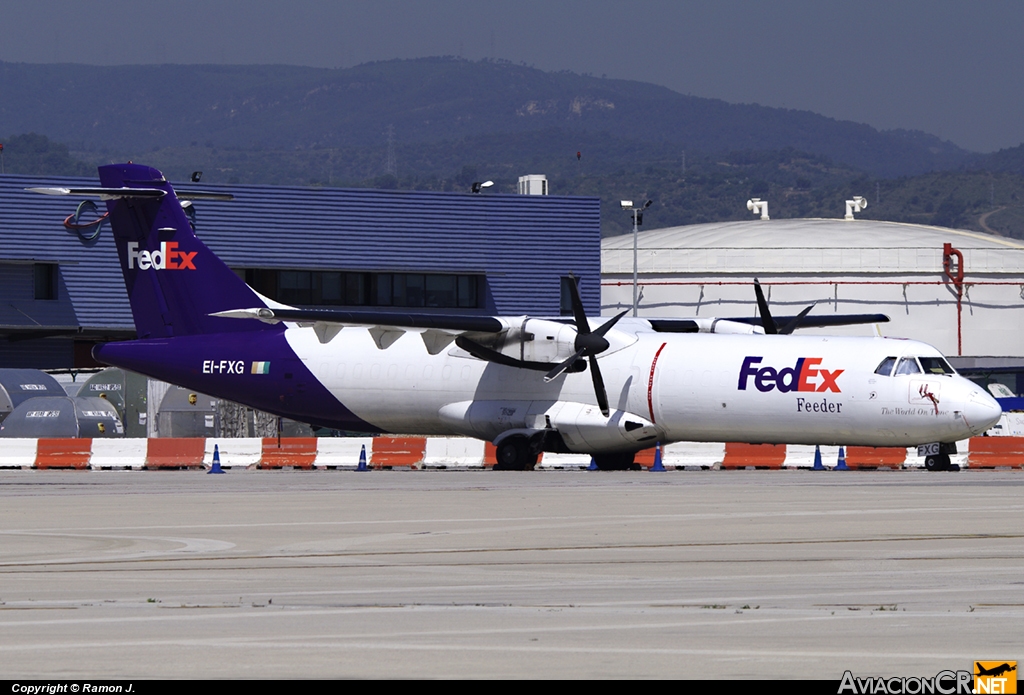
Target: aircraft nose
(981, 411)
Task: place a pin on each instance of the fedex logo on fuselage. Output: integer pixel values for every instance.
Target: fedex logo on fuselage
(167, 257)
(805, 375)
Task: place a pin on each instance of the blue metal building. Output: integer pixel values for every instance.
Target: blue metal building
(62, 291)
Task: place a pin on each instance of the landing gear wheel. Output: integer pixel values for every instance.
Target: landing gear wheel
(938, 462)
(616, 462)
(514, 455)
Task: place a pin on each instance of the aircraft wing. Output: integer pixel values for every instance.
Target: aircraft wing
(457, 324)
(454, 323)
(436, 330)
(817, 321)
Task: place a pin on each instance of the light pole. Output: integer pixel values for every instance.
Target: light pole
(638, 219)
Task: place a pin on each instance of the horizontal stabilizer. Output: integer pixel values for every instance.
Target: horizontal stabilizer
(103, 193)
(118, 193)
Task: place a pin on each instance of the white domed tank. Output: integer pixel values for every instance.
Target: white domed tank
(19, 385)
(63, 416)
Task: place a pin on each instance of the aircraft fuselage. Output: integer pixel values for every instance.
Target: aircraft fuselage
(661, 387)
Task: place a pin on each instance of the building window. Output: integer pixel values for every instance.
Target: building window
(468, 292)
(355, 289)
(46, 280)
(294, 287)
(565, 296)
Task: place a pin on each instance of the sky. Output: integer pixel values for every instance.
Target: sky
(952, 68)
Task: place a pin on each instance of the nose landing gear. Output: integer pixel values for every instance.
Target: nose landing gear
(939, 462)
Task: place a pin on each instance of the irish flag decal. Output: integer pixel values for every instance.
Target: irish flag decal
(261, 367)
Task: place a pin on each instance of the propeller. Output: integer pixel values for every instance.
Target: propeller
(770, 327)
(588, 344)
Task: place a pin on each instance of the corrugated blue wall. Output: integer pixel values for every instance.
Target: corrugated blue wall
(523, 244)
(91, 290)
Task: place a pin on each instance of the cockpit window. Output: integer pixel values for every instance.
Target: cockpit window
(935, 365)
(885, 368)
(908, 365)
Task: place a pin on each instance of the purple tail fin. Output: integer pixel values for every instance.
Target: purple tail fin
(174, 281)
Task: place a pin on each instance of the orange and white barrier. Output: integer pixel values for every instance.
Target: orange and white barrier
(739, 455)
(18, 453)
(994, 452)
(454, 452)
(457, 452)
(391, 452)
(802, 456)
(693, 454)
(118, 453)
(63, 453)
(243, 452)
(341, 452)
(175, 453)
(558, 462)
(294, 452)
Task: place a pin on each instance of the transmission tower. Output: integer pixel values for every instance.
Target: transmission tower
(389, 163)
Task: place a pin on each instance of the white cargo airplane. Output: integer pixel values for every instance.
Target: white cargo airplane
(517, 381)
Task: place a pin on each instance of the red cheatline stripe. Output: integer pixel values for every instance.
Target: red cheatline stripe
(650, 383)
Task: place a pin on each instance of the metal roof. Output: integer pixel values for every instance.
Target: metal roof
(808, 245)
(808, 233)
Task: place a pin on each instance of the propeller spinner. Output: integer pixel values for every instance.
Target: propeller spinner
(588, 344)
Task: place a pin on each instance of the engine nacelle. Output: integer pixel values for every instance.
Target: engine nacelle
(541, 340)
(547, 341)
(584, 428)
(712, 325)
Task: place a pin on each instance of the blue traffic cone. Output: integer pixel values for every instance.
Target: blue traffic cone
(593, 465)
(818, 466)
(362, 460)
(215, 468)
(658, 466)
(841, 465)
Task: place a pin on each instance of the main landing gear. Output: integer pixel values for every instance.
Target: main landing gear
(514, 454)
(519, 453)
(616, 462)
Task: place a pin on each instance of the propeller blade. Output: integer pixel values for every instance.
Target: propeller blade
(607, 325)
(762, 307)
(795, 323)
(561, 368)
(589, 343)
(582, 325)
(599, 391)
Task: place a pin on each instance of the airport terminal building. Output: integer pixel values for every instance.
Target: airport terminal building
(388, 250)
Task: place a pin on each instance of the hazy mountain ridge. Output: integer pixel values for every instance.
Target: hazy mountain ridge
(457, 121)
(426, 100)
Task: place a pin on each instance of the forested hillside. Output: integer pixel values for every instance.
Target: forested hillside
(441, 124)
